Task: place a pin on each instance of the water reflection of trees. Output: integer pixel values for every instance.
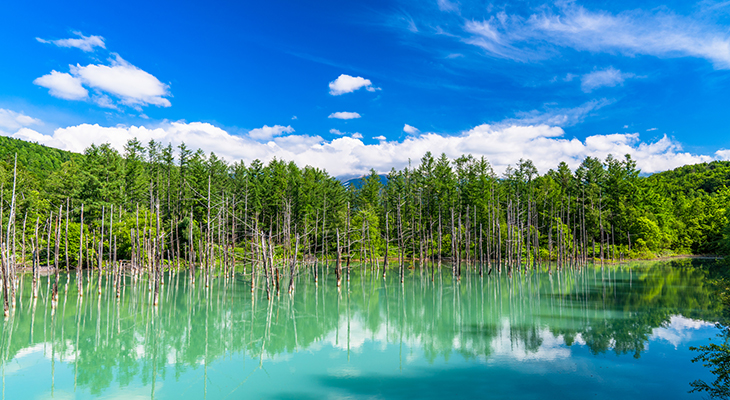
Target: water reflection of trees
(109, 340)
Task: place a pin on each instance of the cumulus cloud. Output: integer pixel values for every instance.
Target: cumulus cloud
(348, 84)
(344, 115)
(723, 154)
(12, 120)
(410, 129)
(656, 33)
(85, 43)
(63, 85)
(130, 85)
(609, 77)
(267, 132)
(356, 135)
(502, 144)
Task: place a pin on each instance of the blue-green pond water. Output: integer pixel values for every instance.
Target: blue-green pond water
(612, 332)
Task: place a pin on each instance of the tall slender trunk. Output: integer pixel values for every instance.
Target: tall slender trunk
(338, 269)
(208, 247)
(439, 247)
(101, 250)
(55, 256)
(157, 255)
(293, 265)
(36, 258)
(453, 244)
(387, 241)
(65, 244)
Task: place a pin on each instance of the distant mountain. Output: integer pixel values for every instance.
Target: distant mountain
(357, 182)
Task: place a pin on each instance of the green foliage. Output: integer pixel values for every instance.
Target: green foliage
(368, 222)
(707, 178)
(100, 179)
(715, 356)
(651, 237)
(565, 212)
(725, 243)
(39, 161)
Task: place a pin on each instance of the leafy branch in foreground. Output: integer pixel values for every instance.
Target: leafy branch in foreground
(716, 357)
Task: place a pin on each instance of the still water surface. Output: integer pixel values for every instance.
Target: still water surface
(617, 331)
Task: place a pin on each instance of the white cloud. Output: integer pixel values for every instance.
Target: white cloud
(504, 346)
(446, 5)
(380, 137)
(29, 135)
(609, 77)
(63, 85)
(657, 33)
(294, 118)
(723, 154)
(296, 144)
(356, 135)
(267, 132)
(344, 115)
(651, 129)
(679, 330)
(131, 85)
(502, 144)
(410, 129)
(85, 43)
(12, 120)
(348, 84)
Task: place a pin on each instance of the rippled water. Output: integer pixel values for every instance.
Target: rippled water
(573, 334)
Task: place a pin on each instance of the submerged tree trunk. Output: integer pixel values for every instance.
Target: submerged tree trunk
(54, 298)
(338, 268)
(387, 241)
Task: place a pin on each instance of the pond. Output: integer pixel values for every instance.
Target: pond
(594, 332)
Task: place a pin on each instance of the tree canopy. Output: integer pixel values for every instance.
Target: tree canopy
(455, 209)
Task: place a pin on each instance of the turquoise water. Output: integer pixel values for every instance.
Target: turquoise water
(573, 334)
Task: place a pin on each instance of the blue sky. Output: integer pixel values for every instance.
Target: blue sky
(347, 86)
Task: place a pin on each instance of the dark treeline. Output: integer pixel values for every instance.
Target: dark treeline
(158, 207)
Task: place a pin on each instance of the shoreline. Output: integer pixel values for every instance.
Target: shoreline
(47, 270)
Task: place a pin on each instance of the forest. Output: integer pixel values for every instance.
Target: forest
(155, 207)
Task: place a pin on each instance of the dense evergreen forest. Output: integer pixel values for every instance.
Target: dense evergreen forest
(164, 207)
(604, 206)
